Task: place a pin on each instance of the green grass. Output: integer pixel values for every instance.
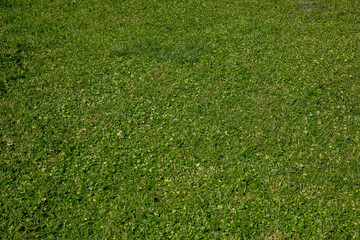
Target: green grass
(180, 119)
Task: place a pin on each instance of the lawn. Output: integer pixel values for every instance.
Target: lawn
(181, 119)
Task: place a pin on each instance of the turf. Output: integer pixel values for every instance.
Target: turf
(179, 119)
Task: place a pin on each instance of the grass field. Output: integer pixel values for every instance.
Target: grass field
(182, 119)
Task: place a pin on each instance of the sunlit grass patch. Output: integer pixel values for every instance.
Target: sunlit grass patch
(179, 119)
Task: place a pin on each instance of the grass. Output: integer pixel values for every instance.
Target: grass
(180, 119)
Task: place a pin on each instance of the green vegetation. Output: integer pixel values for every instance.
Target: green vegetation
(183, 119)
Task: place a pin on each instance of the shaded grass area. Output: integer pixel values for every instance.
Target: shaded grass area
(182, 119)
(178, 52)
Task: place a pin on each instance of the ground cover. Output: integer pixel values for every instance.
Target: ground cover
(180, 119)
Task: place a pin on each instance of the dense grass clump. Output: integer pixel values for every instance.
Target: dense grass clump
(179, 119)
